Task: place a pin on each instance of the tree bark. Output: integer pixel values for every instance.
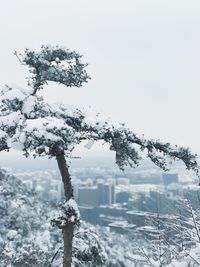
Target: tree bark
(68, 230)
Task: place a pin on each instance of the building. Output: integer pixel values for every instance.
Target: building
(121, 227)
(88, 196)
(106, 193)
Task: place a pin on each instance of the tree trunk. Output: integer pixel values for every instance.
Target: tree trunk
(68, 230)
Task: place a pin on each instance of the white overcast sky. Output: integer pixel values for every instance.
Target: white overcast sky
(144, 58)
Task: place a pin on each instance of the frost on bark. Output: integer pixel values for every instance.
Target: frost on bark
(29, 123)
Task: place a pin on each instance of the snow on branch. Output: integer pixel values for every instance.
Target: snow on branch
(55, 64)
(35, 126)
(68, 213)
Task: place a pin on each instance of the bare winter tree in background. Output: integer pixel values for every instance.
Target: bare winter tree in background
(32, 125)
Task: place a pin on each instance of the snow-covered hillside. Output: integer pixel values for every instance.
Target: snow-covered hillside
(26, 236)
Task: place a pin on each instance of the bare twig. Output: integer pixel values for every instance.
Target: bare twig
(15, 53)
(54, 257)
